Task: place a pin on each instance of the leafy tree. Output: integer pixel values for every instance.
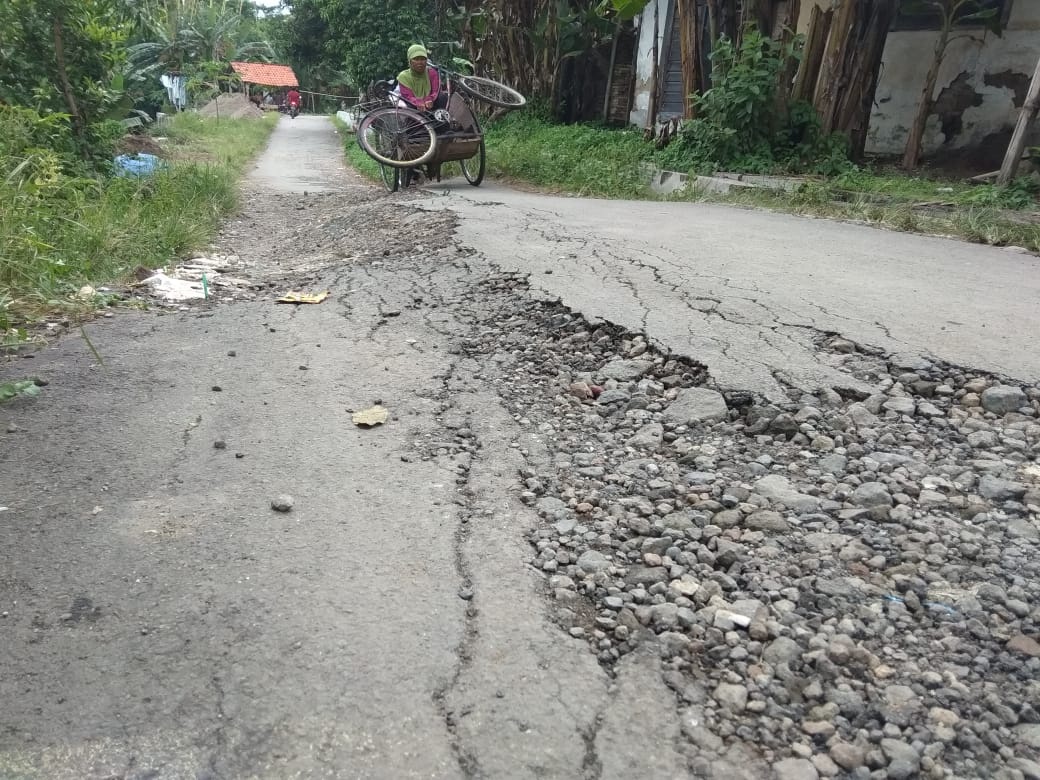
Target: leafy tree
(304, 39)
(525, 43)
(63, 56)
(178, 33)
(625, 9)
(370, 37)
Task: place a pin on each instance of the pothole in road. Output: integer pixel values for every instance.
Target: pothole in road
(847, 580)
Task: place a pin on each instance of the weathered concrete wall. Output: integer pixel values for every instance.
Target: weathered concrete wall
(645, 57)
(981, 85)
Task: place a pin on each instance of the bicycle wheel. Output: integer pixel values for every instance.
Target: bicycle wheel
(397, 137)
(491, 91)
(473, 167)
(391, 177)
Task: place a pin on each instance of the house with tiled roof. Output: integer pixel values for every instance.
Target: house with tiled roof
(265, 74)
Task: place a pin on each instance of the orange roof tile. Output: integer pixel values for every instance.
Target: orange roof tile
(266, 74)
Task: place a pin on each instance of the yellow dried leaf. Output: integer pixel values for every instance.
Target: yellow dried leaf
(299, 297)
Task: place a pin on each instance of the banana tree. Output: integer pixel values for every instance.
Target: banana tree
(179, 33)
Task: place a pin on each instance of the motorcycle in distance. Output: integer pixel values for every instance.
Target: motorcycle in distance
(292, 103)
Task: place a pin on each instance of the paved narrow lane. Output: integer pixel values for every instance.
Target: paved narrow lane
(160, 620)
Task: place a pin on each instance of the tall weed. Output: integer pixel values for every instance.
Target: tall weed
(742, 125)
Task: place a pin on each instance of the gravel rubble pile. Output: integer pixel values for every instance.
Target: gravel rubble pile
(842, 586)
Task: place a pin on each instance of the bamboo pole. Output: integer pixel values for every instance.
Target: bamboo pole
(713, 21)
(788, 30)
(912, 154)
(610, 72)
(689, 51)
(651, 115)
(832, 83)
(1018, 139)
(861, 76)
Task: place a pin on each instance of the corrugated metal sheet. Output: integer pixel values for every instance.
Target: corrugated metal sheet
(672, 97)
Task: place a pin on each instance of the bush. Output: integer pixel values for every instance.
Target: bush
(1022, 193)
(741, 122)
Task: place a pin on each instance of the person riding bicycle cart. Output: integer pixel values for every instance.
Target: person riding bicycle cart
(426, 119)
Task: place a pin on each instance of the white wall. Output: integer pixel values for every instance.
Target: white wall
(906, 60)
(645, 59)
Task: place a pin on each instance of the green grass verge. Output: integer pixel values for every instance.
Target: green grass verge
(596, 161)
(58, 233)
(360, 161)
(967, 221)
(581, 159)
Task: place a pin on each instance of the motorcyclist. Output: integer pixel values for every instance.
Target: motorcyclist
(293, 99)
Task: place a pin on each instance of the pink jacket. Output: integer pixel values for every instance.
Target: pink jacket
(422, 103)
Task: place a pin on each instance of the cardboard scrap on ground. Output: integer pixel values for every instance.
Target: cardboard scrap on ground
(369, 418)
(299, 297)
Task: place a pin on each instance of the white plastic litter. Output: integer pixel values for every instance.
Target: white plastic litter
(171, 289)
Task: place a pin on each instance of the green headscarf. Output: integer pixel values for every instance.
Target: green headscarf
(419, 85)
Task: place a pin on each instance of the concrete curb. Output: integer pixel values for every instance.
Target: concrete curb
(667, 182)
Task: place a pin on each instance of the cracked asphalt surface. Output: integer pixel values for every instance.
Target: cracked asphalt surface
(160, 621)
(748, 292)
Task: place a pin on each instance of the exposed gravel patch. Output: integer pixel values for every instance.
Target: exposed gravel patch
(838, 586)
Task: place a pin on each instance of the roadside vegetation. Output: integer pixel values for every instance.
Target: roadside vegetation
(64, 226)
(582, 159)
(603, 162)
(78, 86)
(757, 114)
(986, 214)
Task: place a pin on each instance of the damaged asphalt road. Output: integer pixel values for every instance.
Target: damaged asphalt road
(748, 293)
(160, 620)
(563, 555)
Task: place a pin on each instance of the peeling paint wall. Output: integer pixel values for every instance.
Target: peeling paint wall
(980, 89)
(981, 85)
(645, 57)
